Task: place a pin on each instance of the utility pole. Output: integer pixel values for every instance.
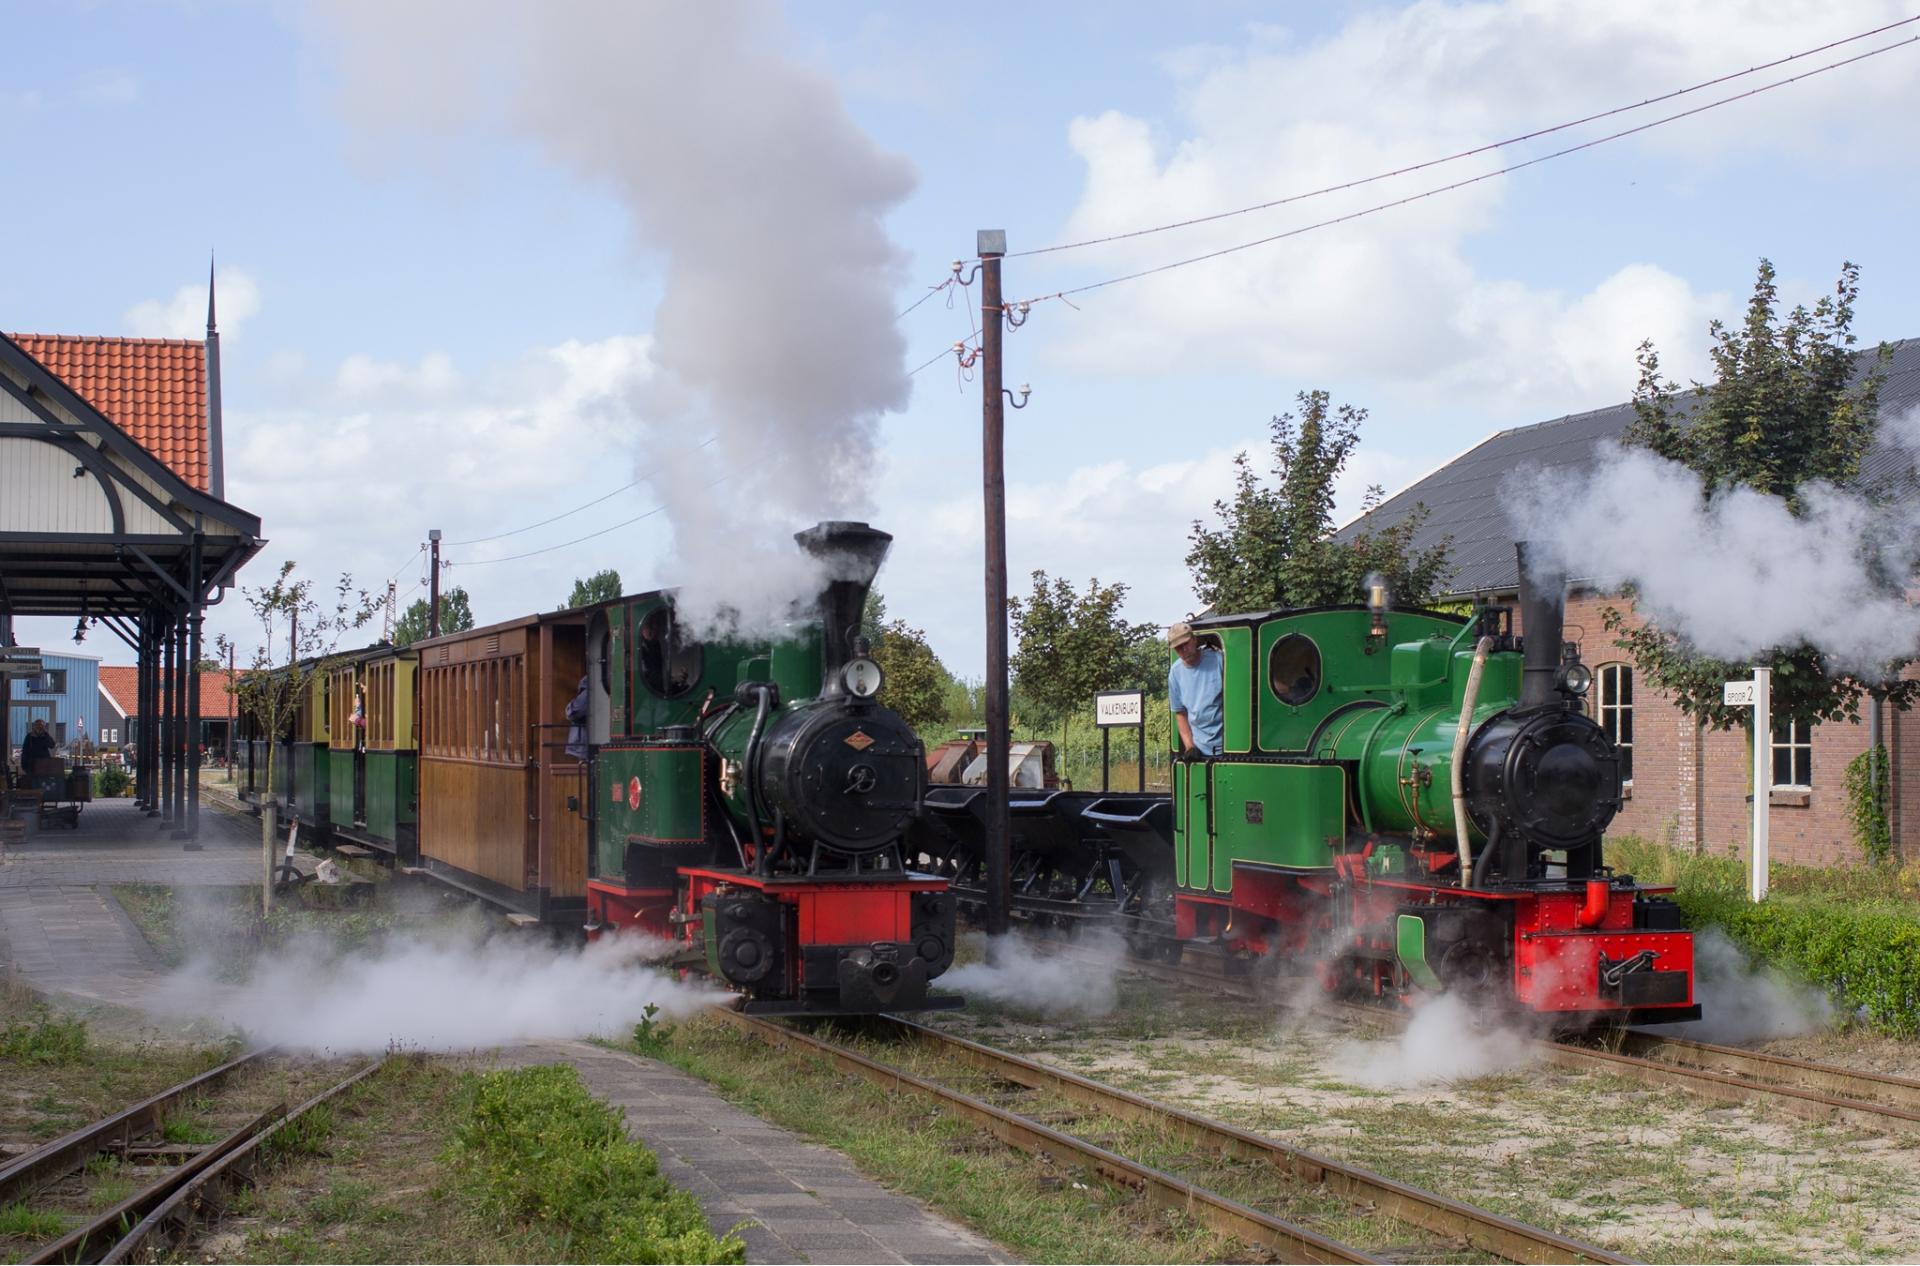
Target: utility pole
(386, 627)
(992, 245)
(433, 586)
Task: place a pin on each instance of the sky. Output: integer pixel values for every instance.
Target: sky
(481, 265)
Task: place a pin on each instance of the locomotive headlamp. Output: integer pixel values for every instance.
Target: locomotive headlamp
(1576, 678)
(1378, 604)
(862, 678)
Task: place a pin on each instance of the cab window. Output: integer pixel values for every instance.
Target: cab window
(1293, 669)
(667, 660)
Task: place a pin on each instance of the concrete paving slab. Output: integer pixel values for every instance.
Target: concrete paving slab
(739, 1166)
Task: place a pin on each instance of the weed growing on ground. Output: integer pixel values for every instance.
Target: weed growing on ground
(41, 1037)
(650, 1037)
(32, 1224)
(538, 1147)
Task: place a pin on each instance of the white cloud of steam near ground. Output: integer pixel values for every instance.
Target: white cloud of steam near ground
(1736, 574)
(1741, 1001)
(422, 994)
(1025, 973)
(763, 203)
(1445, 1041)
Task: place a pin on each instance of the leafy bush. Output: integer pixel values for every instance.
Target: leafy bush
(1867, 804)
(110, 781)
(43, 1038)
(537, 1147)
(1853, 930)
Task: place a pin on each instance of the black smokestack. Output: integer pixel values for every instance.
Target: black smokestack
(852, 554)
(1542, 615)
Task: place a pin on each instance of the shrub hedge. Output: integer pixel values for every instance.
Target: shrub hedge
(1855, 931)
(539, 1148)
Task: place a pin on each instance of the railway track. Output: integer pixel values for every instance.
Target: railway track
(189, 1178)
(1306, 1183)
(1801, 1088)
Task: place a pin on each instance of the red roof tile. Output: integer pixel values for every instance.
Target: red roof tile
(123, 684)
(154, 389)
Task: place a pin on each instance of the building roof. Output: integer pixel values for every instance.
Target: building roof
(154, 389)
(122, 685)
(1463, 497)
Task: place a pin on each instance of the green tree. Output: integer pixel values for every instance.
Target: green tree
(599, 587)
(456, 615)
(284, 663)
(916, 682)
(1274, 546)
(1073, 644)
(1786, 409)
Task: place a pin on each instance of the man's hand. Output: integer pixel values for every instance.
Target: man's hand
(1192, 754)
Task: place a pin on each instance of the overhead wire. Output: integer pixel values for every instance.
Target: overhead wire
(514, 558)
(1458, 184)
(1489, 147)
(480, 540)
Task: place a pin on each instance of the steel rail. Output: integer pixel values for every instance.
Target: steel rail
(1210, 1209)
(1489, 1232)
(1812, 1105)
(236, 1165)
(88, 1241)
(1848, 1083)
(1802, 1088)
(19, 1177)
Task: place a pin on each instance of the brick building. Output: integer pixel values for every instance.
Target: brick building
(1688, 785)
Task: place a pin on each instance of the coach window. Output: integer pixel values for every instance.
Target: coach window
(1613, 708)
(1792, 755)
(669, 660)
(1293, 669)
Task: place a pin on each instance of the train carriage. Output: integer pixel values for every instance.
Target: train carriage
(501, 800)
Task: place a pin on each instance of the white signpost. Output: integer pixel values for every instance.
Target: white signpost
(1116, 709)
(1758, 695)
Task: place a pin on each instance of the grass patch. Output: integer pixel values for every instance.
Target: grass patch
(56, 1075)
(17, 1220)
(225, 926)
(41, 1037)
(1040, 1211)
(536, 1146)
(377, 1176)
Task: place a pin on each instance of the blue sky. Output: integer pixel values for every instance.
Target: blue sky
(439, 316)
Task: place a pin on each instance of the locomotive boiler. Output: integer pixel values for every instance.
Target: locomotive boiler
(752, 801)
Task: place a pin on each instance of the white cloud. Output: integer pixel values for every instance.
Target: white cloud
(354, 482)
(185, 315)
(1396, 296)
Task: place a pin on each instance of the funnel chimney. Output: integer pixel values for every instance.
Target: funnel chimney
(1542, 616)
(852, 554)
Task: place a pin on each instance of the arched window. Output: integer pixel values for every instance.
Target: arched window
(1613, 709)
(1293, 669)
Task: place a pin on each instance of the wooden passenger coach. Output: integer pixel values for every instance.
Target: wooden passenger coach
(502, 804)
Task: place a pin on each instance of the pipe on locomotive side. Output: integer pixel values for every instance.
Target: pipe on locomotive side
(1461, 731)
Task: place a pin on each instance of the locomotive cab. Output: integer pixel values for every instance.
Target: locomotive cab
(1414, 801)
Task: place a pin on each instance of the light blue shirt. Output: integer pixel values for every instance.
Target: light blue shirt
(1196, 692)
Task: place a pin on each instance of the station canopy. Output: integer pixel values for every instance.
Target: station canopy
(105, 507)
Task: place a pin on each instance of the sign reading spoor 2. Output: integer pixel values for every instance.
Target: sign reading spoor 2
(1120, 707)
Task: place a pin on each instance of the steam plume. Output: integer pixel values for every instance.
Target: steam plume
(764, 203)
(1736, 575)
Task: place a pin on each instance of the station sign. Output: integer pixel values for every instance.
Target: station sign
(1737, 694)
(1120, 707)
